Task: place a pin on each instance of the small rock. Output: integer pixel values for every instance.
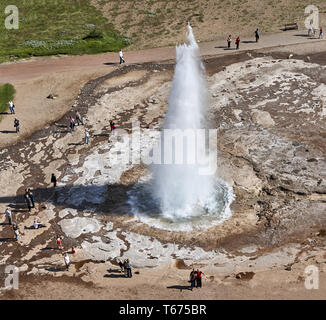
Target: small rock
(51, 96)
(262, 118)
(289, 268)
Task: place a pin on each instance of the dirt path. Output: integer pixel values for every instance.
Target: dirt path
(36, 79)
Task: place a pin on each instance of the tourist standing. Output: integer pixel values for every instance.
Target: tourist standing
(31, 197)
(54, 180)
(16, 125)
(192, 279)
(86, 137)
(129, 266)
(310, 30)
(237, 42)
(59, 243)
(16, 231)
(199, 275)
(11, 107)
(79, 119)
(229, 40)
(67, 260)
(28, 201)
(321, 33)
(121, 56)
(257, 35)
(8, 214)
(121, 266)
(72, 124)
(125, 267)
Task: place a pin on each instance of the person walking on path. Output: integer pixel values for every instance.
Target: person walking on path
(79, 118)
(199, 275)
(54, 180)
(257, 35)
(16, 125)
(9, 216)
(229, 40)
(86, 137)
(129, 266)
(16, 231)
(11, 107)
(72, 124)
(28, 201)
(321, 33)
(31, 197)
(121, 56)
(237, 42)
(67, 260)
(192, 279)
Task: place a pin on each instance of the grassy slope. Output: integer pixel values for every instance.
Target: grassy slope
(56, 27)
(156, 23)
(7, 92)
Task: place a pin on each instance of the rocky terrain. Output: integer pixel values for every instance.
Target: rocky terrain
(270, 115)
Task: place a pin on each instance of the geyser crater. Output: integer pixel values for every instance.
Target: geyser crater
(177, 196)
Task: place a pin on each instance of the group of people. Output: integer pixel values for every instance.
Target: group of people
(312, 31)
(79, 120)
(195, 279)
(72, 122)
(237, 40)
(126, 267)
(12, 111)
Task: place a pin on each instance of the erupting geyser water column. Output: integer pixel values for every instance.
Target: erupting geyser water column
(178, 196)
(180, 187)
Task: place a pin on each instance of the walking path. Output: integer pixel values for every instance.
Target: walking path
(14, 72)
(35, 79)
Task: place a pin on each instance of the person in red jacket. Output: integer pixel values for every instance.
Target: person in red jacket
(237, 42)
(199, 275)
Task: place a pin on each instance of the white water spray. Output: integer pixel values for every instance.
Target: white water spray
(177, 197)
(180, 187)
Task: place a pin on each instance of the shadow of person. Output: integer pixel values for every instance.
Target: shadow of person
(55, 269)
(179, 287)
(114, 276)
(113, 271)
(7, 239)
(7, 131)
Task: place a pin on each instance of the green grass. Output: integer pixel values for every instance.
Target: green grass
(7, 92)
(51, 27)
